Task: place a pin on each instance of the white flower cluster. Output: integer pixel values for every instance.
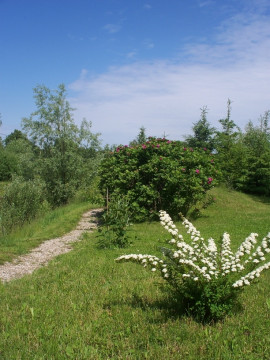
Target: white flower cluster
(145, 260)
(200, 260)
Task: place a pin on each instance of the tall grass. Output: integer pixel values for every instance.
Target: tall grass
(86, 306)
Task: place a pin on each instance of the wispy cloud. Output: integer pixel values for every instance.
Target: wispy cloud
(147, 6)
(148, 44)
(131, 54)
(166, 96)
(112, 28)
(206, 3)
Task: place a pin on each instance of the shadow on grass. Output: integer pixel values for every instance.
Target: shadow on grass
(261, 199)
(168, 308)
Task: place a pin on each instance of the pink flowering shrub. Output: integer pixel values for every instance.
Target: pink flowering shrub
(160, 174)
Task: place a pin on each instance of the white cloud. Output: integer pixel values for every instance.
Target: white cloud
(166, 96)
(112, 28)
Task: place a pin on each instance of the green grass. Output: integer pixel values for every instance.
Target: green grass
(86, 306)
(53, 224)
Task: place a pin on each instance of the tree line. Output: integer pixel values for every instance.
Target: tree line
(52, 160)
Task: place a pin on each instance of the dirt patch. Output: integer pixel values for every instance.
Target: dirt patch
(40, 256)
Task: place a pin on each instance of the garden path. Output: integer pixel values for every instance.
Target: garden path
(41, 255)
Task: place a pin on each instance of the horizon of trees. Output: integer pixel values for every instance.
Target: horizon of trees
(66, 157)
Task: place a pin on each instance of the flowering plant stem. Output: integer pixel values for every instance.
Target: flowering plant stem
(206, 278)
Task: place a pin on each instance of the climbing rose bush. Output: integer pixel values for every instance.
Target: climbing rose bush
(206, 278)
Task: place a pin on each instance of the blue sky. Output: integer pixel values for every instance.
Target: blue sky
(133, 63)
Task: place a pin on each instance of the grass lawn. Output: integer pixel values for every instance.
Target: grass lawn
(86, 306)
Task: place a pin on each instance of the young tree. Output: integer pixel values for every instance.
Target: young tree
(231, 156)
(52, 128)
(141, 137)
(203, 133)
(264, 123)
(225, 138)
(257, 143)
(15, 135)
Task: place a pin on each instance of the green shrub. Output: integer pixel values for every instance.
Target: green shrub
(21, 202)
(160, 174)
(116, 220)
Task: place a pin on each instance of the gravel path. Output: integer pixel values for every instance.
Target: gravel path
(40, 256)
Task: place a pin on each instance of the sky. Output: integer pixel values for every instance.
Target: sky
(133, 63)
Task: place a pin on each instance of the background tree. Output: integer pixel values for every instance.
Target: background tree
(140, 139)
(230, 156)
(203, 133)
(257, 145)
(61, 142)
(0, 126)
(25, 158)
(15, 135)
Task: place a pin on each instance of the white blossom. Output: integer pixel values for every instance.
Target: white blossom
(200, 259)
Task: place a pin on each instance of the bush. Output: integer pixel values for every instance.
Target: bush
(206, 278)
(116, 220)
(8, 165)
(160, 174)
(22, 201)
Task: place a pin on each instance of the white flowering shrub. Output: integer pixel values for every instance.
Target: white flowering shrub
(206, 278)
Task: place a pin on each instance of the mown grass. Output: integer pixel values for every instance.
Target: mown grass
(53, 224)
(86, 306)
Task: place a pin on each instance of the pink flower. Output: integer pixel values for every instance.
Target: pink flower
(197, 171)
(158, 145)
(209, 180)
(144, 146)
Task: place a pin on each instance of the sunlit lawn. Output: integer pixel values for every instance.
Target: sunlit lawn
(86, 306)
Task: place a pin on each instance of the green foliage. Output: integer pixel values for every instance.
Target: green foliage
(158, 174)
(140, 139)
(8, 164)
(203, 133)
(22, 150)
(244, 158)
(15, 135)
(257, 146)
(65, 150)
(115, 223)
(206, 302)
(22, 201)
(89, 193)
(229, 153)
